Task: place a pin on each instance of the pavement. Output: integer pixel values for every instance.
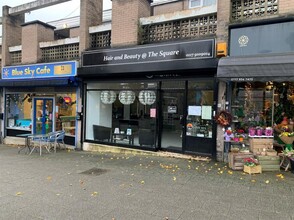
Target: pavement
(133, 186)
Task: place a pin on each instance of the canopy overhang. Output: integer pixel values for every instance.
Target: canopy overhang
(257, 68)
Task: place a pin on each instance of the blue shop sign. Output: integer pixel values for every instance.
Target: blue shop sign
(44, 70)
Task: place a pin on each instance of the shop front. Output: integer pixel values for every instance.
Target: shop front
(38, 99)
(259, 77)
(157, 97)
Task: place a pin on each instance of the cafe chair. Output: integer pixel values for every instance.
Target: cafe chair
(56, 138)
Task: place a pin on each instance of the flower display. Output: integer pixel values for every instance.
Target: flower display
(251, 162)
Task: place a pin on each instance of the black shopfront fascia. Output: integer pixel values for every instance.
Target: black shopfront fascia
(152, 59)
(113, 64)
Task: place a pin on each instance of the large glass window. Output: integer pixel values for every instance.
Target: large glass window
(118, 112)
(261, 104)
(200, 104)
(20, 112)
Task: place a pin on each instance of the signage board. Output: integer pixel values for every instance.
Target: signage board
(262, 39)
(187, 50)
(42, 70)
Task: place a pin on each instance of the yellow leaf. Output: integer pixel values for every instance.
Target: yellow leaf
(253, 181)
(175, 178)
(267, 181)
(49, 178)
(94, 194)
(142, 182)
(230, 172)
(19, 193)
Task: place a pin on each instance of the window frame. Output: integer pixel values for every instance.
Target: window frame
(191, 1)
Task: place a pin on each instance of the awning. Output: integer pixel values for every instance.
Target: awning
(257, 68)
(37, 82)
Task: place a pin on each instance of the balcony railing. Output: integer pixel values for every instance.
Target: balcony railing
(250, 9)
(194, 27)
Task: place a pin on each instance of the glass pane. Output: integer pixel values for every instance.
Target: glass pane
(122, 116)
(172, 112)
(65, 111)
(39, 117)
(18, 111)
(199, 119)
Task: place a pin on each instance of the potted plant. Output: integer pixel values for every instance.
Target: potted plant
(251, 165)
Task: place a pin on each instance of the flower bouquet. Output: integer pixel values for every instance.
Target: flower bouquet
(288, 139)
(251, 165)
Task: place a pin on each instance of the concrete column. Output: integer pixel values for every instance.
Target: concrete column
(91, 12)
(125, 21)
(32, 34)
(11, 33)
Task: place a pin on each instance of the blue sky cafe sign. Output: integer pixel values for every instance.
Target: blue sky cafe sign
(43, 70)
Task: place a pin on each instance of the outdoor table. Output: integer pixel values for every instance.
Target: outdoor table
(27, 142)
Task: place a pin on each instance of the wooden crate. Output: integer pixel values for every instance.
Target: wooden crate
(269, 163)
(252, 170)
(258, 144)
(236, 160)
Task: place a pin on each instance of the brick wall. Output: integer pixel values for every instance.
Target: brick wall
(223, 20)
(286, 7)
(90, 15)
(11, 29)
(32, 34)
(74, 32)
(125, 21)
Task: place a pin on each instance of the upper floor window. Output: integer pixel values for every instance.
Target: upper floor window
(200, 3)
(195, 3)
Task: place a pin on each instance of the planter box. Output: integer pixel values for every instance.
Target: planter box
(269, 163)
(252, 170)
(236, 160)
(258, 144)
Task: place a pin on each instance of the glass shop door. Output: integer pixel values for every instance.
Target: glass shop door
(172, 120)
(43, 115)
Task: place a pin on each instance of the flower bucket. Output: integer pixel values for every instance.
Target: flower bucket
(252, 131)
(236, 139)
(259, 132)
(268, 132)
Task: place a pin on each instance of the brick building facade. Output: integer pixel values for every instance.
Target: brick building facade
(166, 51)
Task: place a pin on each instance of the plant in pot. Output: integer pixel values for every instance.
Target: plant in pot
(251, 165)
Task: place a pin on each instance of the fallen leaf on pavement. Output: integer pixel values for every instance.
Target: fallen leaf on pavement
(94, 194)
